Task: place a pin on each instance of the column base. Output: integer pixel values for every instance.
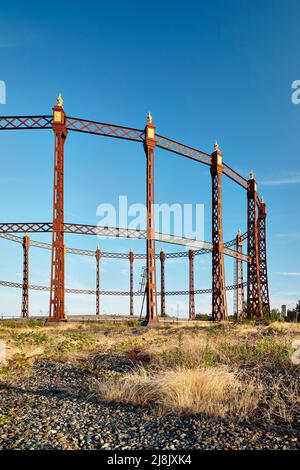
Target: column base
(150, 322)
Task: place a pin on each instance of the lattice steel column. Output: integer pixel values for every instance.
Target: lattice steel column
(264, 285)
(254, 301)
(191, 286)
(149, 146)
(25, 284)
(57, 283)
(131, 259)
(219, 301)
(162, 258)
(239, 280)
(98, 256)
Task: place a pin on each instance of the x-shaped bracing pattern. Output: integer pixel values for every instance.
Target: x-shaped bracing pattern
(10, 228)
(25, 122)
(117, 293)
(181, 149)
(108, 130)
(119, 132)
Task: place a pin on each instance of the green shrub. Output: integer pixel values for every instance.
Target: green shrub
(133, 323)
(35, 323)
(31, 338)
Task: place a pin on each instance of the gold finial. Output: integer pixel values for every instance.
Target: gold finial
(252, 175)
(60, 101)
(98, 246)
(149, 118)
(216, 146)
(262, 199)
(239, 232)
(131, 250)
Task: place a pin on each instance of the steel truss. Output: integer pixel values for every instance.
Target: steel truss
(257, 279)
(254, 297)
(112, 292)
(238, 307)
(219, 301)
(191, 286)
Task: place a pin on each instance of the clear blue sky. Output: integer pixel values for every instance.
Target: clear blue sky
(206, 70)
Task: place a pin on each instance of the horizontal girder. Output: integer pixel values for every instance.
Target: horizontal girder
(117, 293)
(206, 247)
(118, 132)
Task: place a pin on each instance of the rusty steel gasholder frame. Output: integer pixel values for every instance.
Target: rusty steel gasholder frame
(238, 306)
(149, 147)
(254, 294)
(57, 282)
(258, 302)
(98, 256)
(219, 301)
(191, 286)
(162, 258)
(25, 284)
(262, 246)
(131, 259)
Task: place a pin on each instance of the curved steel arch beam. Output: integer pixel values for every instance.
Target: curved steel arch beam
(118, 132)
(203, 247)
(117, 293)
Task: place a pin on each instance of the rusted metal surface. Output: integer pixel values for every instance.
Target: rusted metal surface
(18, 285)
(184, 150)
(257, 278)
(234, 176)
(162, 258)
(25, 122)
(57, 280)
(98, 256)
(219, 301)
(191, 286)
(104, 129)
(119, 255)
(149, 147)
(254, 299)
(9, 229)
(238, 306)
(131, 259)
(25, 284)
(262, 243)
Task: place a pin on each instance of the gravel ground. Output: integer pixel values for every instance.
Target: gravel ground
(50, 407)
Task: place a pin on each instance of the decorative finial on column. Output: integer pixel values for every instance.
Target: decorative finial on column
(262, 199)
(252, 175)
(149, 118)
(239, 232)
(216, 146)
(60, 101)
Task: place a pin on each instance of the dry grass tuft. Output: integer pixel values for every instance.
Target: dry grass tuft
(215, 392)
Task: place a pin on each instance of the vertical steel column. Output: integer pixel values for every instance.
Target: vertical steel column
(191, 286)
(254, 301)
(219, 301)
(239, 279)
(57, 283)
(25, 284)
(149, 146)
(262, 215)
(162, 258)
(98, 255)
(131, 259)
